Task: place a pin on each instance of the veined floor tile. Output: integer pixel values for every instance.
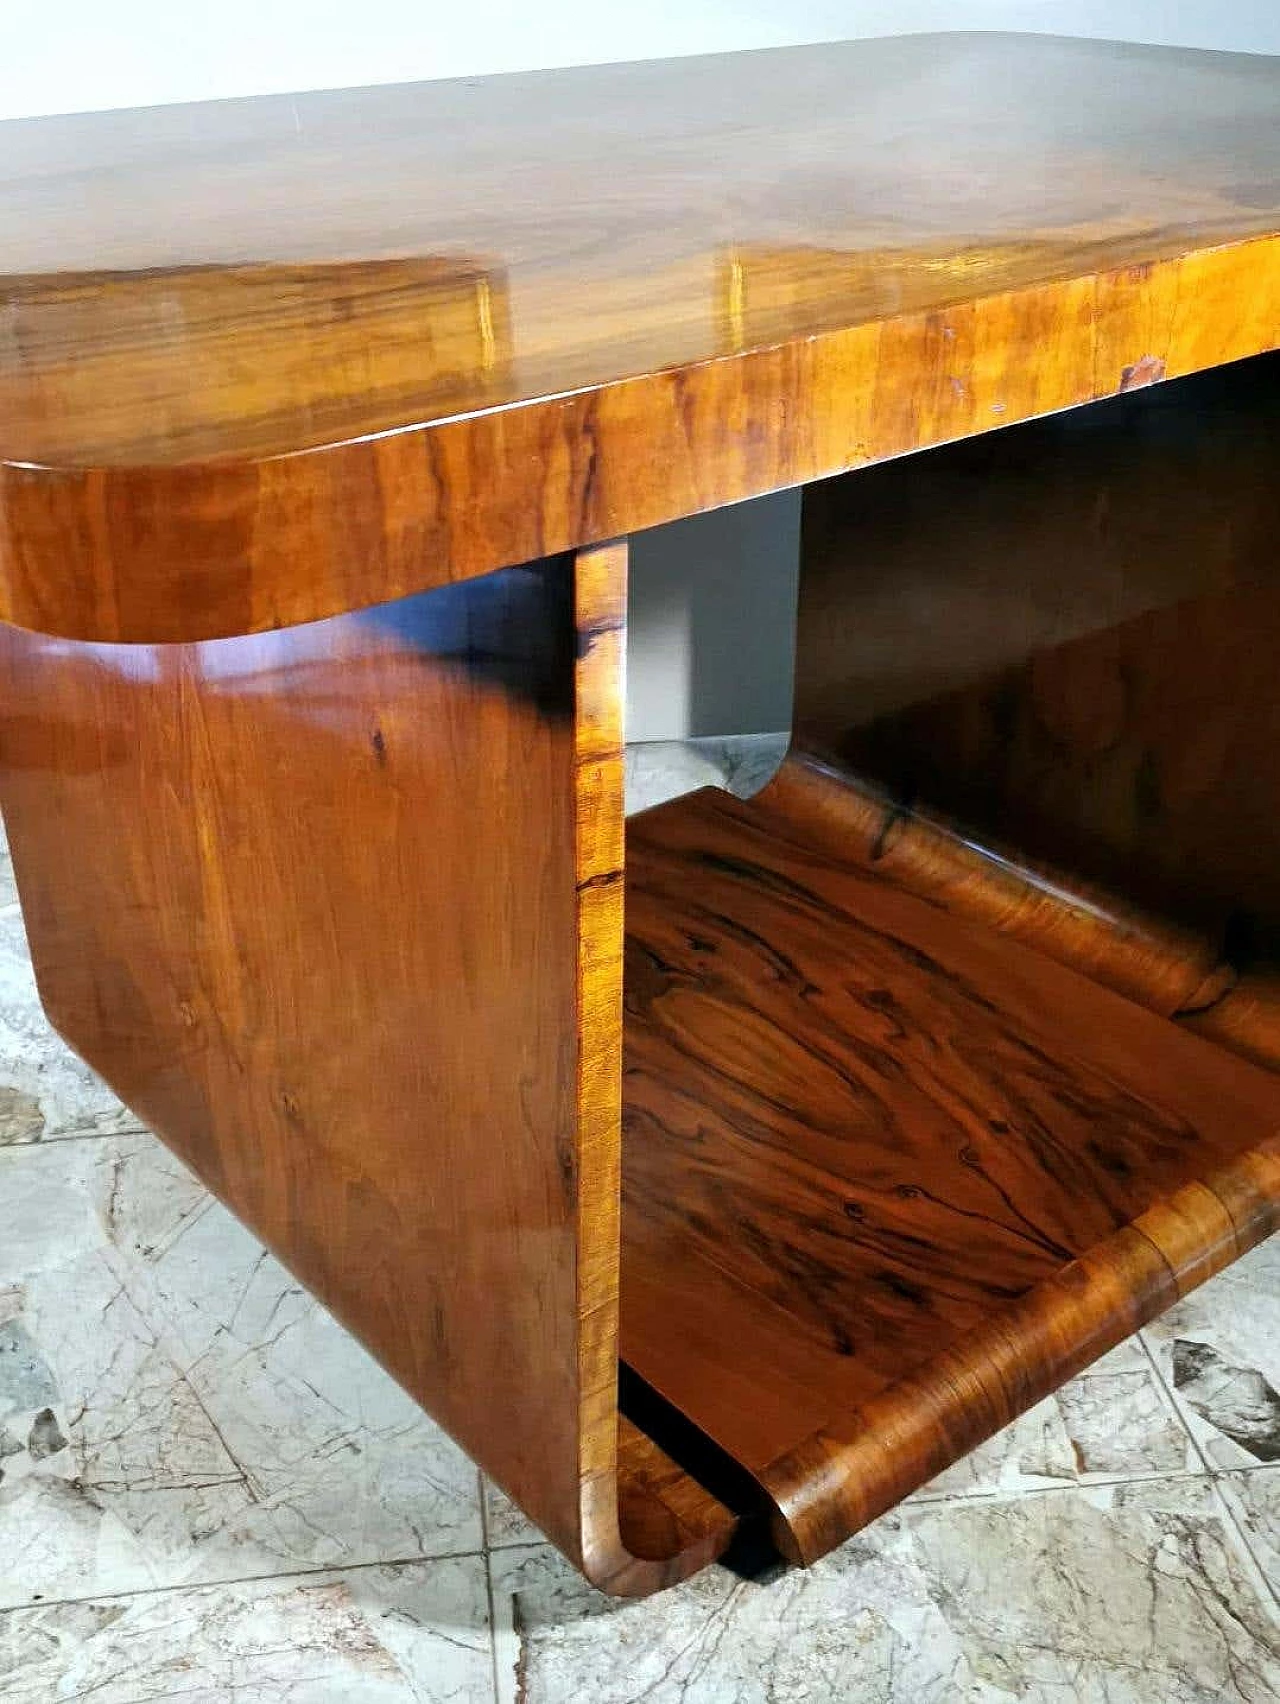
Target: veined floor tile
(1121, 1594)
(746, 761)
(174, 1408)
(1219, 1351)
(664, 769)
(505, 1523)
(1116, 1421)
(45, 1090)
(1254, 1500)
(414, 1634)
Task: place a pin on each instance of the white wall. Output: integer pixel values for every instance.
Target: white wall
(79, 55)
(711, 597)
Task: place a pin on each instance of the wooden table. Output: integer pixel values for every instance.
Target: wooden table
(929, 1073)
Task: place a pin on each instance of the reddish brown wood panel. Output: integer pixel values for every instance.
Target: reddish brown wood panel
(318, 905)
(1165, 966)
(1146, 758)
(324, 868)
(934, 573)
(880, 1162)
(266, 361)
(898, 1158)
(1061, 642)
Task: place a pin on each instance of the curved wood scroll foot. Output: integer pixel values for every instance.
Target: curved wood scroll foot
(896, 1174)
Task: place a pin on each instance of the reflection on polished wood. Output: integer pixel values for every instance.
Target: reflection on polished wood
(281, 891)
(1100, 700)
(909, 1134)
(177, 359)
(894, 1177)
(914, 1083)
(748, 270)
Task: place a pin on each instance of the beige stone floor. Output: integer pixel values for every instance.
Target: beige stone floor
(210, 1494)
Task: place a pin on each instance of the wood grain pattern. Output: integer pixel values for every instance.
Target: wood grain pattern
(934, 573)
(1144, 757)
(263, 362)
(896, 1155)
(869, 1458)
(330, 909)
(896, 1176)
(1047, 659)
(1168, 967)
(321, 420)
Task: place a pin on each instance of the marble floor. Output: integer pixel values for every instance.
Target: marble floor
(208, 1493)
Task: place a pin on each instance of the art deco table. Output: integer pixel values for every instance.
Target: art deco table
(927, 1074)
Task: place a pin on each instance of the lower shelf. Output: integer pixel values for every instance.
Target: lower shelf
(890, 1176)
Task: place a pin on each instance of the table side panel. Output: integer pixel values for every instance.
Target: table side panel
(307, 901)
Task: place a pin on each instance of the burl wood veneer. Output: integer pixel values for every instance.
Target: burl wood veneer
(930, 1072)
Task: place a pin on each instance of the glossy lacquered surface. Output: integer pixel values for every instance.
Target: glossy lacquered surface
(1063, 642)
(321, 427)
(895, 1153)
(895, 1176)
(337, 911)
(264, 361)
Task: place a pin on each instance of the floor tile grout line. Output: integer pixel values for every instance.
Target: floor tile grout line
(981, 1494)
(1173, 1404)
(512, 1629)
(304, 1573)
(1218, 1478)
(481, 1484)
(1259, 1577)
(988, 1494)
(984, 1495)
(1089, 1482)
(47, 1141)
(1263, 1584)
(485, 1553)
(1011, 1494)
